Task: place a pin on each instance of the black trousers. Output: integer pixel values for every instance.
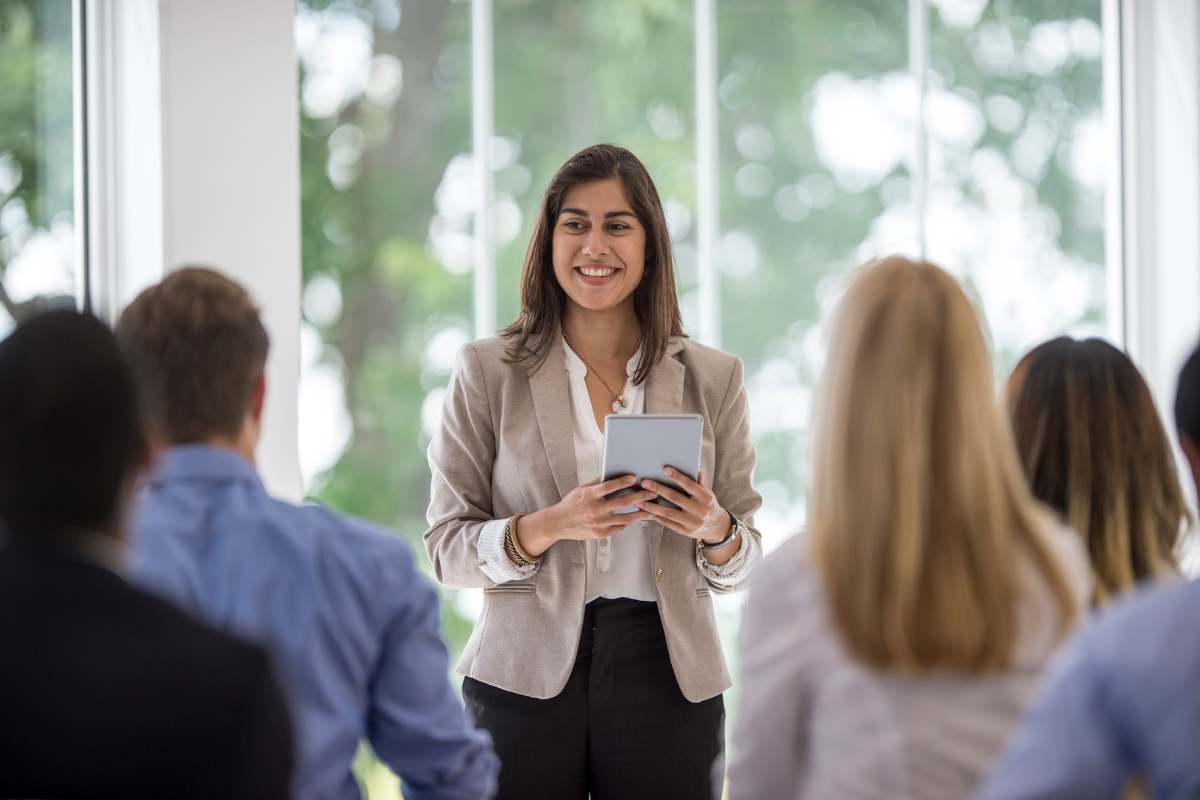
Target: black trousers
(620, 730)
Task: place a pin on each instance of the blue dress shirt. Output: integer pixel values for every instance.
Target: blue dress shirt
(351, 623)
(1124, 701)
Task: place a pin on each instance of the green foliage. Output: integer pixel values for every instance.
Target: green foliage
(36, 130)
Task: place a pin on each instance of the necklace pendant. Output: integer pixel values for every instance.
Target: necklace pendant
(619, 404)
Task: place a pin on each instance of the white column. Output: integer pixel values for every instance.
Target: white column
(1160, 45)
(707, 187)
(481, 159)
(199, 164)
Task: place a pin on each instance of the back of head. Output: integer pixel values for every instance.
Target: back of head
(198, 349)
(1093, 448)
(1187, 399)
(918, 513)
(71, 437)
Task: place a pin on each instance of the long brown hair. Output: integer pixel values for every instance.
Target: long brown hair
(1094, 449)
(919, 516)
(543, 301)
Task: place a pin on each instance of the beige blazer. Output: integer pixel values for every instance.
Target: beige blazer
(506, 446)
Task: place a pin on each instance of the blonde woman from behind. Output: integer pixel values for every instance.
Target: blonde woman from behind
(888, 652)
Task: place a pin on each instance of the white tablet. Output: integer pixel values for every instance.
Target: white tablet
(642, 444)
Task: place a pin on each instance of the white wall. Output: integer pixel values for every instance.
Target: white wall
(1161, 176)
(201, 166)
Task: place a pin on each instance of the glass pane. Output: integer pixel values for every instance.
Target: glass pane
(816, 132)
(569, 75)
(1017, 159)
(386, 203)
(37, 240)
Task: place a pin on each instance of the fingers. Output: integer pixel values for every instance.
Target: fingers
(667, 515)
(685, 481)
(625, 500)
(669, 518)
(615, 524)
(678, 498)
(614, 485)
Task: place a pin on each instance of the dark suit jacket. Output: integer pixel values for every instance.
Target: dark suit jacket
(107, 692)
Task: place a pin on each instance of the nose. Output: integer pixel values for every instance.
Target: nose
(596, 243)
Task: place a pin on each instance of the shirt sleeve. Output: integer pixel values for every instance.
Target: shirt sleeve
(461, 457)
(1070, 745)
(417, 725)
(734, 572)
(494, 562)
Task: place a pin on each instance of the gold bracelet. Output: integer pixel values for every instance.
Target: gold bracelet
(512, 547)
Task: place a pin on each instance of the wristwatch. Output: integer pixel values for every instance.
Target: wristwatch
(736, 528)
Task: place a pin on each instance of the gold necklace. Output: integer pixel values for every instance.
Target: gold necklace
(618, 397)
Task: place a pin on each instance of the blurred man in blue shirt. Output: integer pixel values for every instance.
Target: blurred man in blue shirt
(351, 623)
(1125, 701)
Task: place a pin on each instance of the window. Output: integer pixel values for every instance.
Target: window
(38, 263)
(968, 131)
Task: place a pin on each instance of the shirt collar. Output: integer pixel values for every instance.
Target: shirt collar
(202, 461)
(575, 365)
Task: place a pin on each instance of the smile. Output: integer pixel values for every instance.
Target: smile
(597, 272)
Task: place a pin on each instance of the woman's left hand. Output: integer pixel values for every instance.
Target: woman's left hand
(700, 516)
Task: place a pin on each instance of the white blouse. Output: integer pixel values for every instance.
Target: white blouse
(618, 566)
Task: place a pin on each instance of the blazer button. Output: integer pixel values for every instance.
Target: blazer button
(659, 574)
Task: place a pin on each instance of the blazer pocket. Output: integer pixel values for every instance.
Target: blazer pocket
(512, 587)
(703, 591)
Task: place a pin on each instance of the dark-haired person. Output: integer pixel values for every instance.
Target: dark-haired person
(1094, 449)
(595, 664)
(106, 691)
(1123, 702)
(352, 624)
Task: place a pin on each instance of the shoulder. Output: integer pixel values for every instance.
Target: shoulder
(701, 356)
(1147, 627)
(785, 586)
(373, 567)
(484, 361)
(372, 552)
(1069, 552)
(488, 349)
(228, 661)
(718, 374)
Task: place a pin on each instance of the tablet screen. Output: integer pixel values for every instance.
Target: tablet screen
(642, 444)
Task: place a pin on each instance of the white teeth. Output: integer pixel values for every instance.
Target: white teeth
(597, 273)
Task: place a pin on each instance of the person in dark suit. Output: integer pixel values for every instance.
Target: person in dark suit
(106, 691)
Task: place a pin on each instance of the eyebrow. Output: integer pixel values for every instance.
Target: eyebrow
(608, 214)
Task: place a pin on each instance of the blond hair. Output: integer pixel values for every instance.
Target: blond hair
(1095, 451)
(919, 514)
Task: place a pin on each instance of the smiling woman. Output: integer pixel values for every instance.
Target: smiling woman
(518, 509)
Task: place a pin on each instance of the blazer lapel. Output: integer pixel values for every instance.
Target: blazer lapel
(664, 395)
(552, 407)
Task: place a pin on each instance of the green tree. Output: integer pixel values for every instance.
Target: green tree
(36, 118)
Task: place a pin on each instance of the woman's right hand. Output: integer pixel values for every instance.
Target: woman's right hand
(585, 513)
